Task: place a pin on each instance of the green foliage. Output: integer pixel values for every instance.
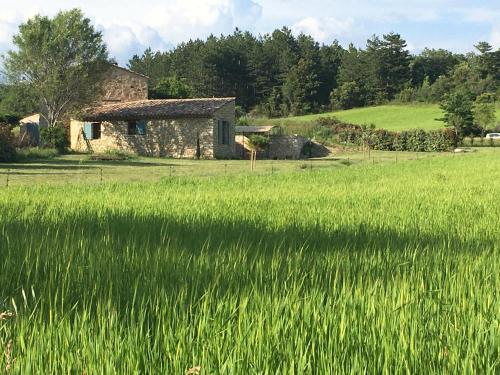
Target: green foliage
(258, 142)
(407, 95)
(391, 63)
(60, 60)
(171, 88)
(457, 108)
(7, 144)
(54, 137)
(347, 96)
(280, 74)
(300, 88)
(331, 130)
(484, 112)
(431, 64)
(16, 102)
(9, 119)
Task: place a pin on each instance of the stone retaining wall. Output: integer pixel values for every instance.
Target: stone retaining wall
(285, 146)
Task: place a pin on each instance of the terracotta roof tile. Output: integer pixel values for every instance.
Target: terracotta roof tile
(156, 109)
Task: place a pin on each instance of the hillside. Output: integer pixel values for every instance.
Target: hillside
(391, 117)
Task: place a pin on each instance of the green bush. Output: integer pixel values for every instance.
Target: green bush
(331, 130)
(258, 142)
(7, 144)
(54, 137)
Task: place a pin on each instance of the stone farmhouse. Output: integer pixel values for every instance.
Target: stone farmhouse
(126, 120)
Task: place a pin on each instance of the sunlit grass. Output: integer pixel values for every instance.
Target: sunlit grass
(386, 268)
(390, 117)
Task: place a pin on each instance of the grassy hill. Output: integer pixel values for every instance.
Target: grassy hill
(391, 117)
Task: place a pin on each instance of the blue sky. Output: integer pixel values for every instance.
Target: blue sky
(130, 27)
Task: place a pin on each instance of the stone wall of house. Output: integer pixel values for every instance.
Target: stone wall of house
(285, 146)
(121, 85)
(226, 113)
(165, 138)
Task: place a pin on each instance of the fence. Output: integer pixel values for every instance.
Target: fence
(148, 171)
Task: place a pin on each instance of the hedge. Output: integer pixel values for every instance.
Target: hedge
(385, 140)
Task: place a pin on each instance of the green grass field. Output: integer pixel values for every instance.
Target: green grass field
(386, 268)
(78, 169)
(391, 117)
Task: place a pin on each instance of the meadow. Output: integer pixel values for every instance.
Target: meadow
(390, 117)
(385, 268)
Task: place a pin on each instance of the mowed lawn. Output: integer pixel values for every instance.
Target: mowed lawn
(391, 117)
(387, 268)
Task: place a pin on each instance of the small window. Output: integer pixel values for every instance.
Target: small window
(223, 132)
(96, 130)
(137, 127)
(92, 130)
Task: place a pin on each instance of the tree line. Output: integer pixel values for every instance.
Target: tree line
(59, 63)
(280, 74)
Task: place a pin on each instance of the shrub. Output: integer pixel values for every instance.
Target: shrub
(7, 144)
(330, 129)
(258, 142)
(54, 137)
(382, 139)
(399, 142)
(407, 95)
(417, 140)
(9, 119)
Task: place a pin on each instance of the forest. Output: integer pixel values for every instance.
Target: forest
(280, 74)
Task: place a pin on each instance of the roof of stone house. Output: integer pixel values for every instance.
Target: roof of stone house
(157, 109)
(253, 129)
(128, 70)
(33, 119)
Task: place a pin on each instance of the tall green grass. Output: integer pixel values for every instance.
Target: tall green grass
(362, 269)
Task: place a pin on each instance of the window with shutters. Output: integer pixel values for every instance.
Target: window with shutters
(137, 127)
(223, 132)
(92, 130)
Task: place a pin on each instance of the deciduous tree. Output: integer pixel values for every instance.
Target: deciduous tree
(61, 59)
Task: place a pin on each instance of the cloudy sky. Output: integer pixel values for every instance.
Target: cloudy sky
(131, 26)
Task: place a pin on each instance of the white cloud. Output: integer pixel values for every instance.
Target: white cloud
(495, 37)
(179, 20)
(124, 41)
(324, 29)
(130, 28)
(479, 15)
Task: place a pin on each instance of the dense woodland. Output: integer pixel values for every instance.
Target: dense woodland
(281, 74)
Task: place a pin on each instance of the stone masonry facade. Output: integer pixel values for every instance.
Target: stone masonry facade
(286, 146)
(175, 137)
(122, 85)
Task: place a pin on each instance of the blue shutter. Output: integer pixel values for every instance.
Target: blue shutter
(219, 132)
(141, 127)
(226, 132)
(87, 130)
